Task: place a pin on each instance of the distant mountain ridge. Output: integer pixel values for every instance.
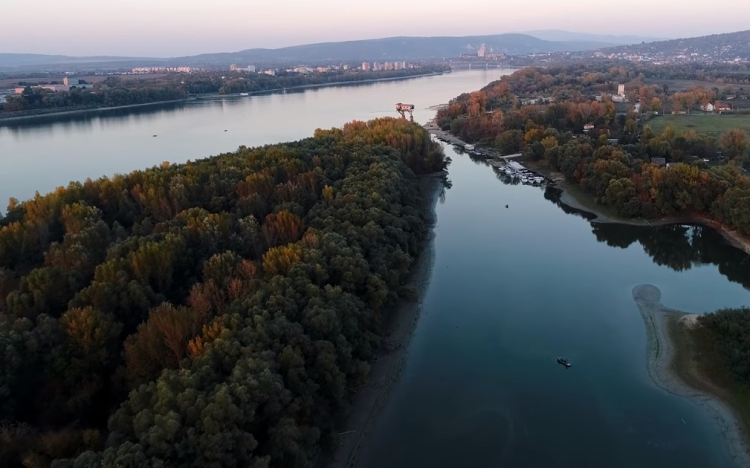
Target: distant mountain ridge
(20, 60)
(716, 48)
(392, 48)
(395, 48)
(719, 47)
(615, 40)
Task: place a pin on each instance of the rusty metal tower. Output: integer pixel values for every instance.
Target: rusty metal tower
(404, 108)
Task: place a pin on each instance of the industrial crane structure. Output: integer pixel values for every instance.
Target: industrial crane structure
(404, 108)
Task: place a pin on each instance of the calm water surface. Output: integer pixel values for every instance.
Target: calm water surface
(511, 288)
(514, 288)
(47, 152)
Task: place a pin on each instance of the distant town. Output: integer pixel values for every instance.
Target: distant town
(245, 74)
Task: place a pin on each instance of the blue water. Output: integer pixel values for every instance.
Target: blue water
(512, 289)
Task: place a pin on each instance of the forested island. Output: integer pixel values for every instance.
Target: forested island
(714, 356)
(213, 313)
(118, 91)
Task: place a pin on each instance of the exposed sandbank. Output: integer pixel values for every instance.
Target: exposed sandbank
(659, 362)
(370, 398)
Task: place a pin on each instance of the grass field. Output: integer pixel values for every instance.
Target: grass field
(684, 85)
(711, 124)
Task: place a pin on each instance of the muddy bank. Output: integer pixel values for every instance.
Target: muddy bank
(371, 397)
(732, 237)
(659, 358)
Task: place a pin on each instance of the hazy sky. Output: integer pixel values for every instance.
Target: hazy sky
(164, 28)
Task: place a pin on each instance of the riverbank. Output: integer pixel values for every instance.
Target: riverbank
(208, 96)
(573, 197)
(372, 396)
(316, 86)
(662, 324)
(55, 113)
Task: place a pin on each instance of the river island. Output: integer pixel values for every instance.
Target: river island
(675, 365)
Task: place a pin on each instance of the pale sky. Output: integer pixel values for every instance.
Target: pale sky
(163, 28)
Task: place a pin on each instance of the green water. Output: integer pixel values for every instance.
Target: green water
(514, 288)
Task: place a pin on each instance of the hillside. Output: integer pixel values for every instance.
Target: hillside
(715, 48)
(615, 40)
(8, 60)
(393, 48)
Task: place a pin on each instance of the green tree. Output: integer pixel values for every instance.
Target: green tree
(735, 143)
(509, 142)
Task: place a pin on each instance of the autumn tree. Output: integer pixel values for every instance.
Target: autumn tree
(735, 143)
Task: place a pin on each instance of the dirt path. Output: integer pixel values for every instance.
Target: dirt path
(659, 364)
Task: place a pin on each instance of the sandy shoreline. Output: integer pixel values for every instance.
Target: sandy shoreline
(384, 372)
(734, 238)
(659, 359)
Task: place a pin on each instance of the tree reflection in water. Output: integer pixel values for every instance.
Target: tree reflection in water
(677, 246)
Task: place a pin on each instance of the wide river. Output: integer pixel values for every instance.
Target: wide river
(511, 288)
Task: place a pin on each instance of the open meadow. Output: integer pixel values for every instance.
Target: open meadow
(711, 124)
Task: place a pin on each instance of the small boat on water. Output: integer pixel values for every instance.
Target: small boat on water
(564, 362)
(244, 94)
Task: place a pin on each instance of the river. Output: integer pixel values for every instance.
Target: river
(511, 288)
(49, 151)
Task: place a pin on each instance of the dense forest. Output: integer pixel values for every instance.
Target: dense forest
(214, 313)
(36, 98)
(728, 338)
(607, 152)
(117, 91)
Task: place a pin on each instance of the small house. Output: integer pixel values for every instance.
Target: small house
(708, 107)
(588, 127)
(659, 161)
(723, 106)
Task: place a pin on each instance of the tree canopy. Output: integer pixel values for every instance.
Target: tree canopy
(214, 313)
(555, 116)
